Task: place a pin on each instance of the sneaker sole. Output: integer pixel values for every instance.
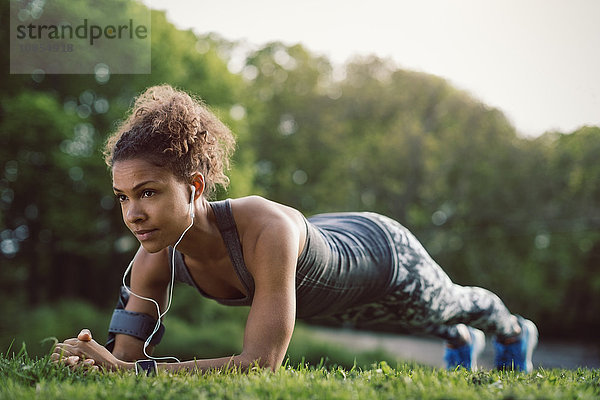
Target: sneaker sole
(532, 340)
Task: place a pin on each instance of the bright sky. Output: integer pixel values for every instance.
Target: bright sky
(536, 60)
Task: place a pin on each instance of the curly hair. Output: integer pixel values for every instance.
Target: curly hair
(169, 128)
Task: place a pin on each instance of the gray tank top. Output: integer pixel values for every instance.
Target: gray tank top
(347, 261)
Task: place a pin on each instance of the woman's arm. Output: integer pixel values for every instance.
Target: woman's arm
(272, 316)
(150, 276)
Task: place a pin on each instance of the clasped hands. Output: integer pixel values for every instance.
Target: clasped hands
(84, 352)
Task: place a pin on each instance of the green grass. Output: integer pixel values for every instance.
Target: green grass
(22, 377)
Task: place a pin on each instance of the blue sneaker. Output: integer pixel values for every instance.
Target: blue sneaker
(466, 356)
(517, 355)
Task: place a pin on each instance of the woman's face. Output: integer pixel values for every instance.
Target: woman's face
(154, 203)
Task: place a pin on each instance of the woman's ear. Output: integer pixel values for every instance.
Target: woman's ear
(198, 183)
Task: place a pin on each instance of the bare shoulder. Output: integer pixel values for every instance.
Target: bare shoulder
(260, 211)
(149, 278)
(264, 224)
(151, 268)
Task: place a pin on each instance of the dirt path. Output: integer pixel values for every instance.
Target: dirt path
(430, 351)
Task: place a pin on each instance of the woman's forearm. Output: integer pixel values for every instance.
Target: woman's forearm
(202, 365)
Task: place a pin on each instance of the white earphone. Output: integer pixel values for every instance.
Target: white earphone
(192, 202)
(160, 315)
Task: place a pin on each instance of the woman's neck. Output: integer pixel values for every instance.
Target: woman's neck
(203, 240)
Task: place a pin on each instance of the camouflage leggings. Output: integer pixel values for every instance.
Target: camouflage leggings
(424, 299)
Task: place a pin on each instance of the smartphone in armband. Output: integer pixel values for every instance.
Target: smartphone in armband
(145, 367)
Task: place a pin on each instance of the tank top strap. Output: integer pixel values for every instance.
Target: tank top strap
(229, 232)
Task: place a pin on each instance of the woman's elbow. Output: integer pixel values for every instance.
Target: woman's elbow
(266, 361)
(129, 348)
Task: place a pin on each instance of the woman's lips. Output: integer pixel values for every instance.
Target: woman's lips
(145, 234)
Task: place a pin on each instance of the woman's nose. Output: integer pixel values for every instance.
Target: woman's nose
(134, 213)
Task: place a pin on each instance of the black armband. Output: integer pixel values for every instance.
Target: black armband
(131, 323)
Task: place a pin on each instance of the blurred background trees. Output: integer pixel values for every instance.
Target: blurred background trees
(520, 216)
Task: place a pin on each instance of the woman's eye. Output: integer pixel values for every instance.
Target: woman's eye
(121, 198)
(147, 193)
